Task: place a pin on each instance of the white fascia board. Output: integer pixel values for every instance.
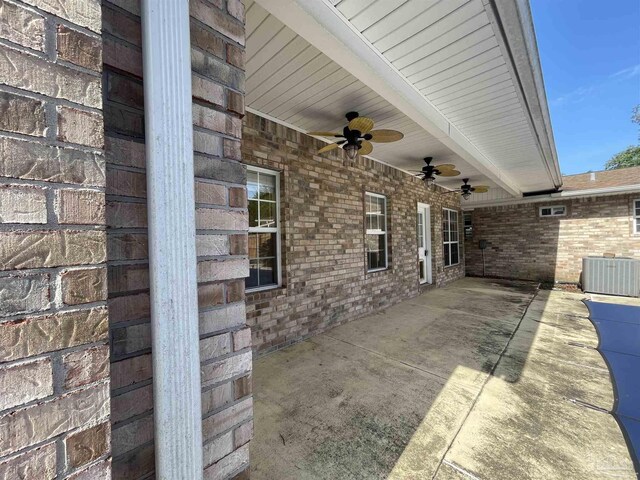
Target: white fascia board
(322, 25)
(593, 192)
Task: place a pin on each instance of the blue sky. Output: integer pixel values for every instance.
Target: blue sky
(590, 54)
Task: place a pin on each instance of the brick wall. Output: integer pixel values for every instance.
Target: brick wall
(322, 220)
(217, 36)
(54, 354)
(523, 245)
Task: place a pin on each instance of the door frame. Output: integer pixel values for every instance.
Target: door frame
(426, 209)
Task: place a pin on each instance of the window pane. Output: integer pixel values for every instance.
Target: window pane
(454, 234)
(546, 211)
(446, 255)
(268, 275)
(253, 213)
(267, 187)
(253, 245)
(252, 280)
(252, 185)
(267, 245)
(376, 255)
(267, 214)
(454, 253)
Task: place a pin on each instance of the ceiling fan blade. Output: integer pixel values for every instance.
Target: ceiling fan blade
(445, 166)
(362, 124)
(480, 189)
(326, 148)
(366, 148)
(449, 173)
(386, 136)
(324, 134)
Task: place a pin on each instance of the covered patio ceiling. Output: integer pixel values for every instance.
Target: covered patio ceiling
(460, 78)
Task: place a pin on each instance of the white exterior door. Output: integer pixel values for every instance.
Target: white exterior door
(424, 243)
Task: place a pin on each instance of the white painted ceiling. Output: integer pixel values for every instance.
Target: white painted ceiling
(447, 49)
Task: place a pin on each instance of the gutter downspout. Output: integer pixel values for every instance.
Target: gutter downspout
(172, 255)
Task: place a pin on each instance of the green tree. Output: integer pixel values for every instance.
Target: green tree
(631, 156)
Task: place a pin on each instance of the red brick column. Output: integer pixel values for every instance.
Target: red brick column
(54, 354)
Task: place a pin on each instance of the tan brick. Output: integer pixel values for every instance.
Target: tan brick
(51, 249)
(211, 193)
(125, 90)
(228, 465)
(37, 423)
(47, 333)
(22, 114)
(131, 403)
(126, 152)
(85, 366)
(212, 245)
(121, 25)
(242, 387)
(216, 121)
(235, 291)
(215, 270)
(132, 435)
(222, 318)
(79, 48)
(232, 149)
(235, 102)
(216, 397)
(236, 9)
(127, 246)
(235, 55)
(238, 244)
(78, 126)
(35, 161)
(210, 295)
(218, 21)
(130, 339)
(138, 464)
(206, 40)
(227, 368)
(243, 475)
(80, 207)
(204, 89)
(206, 142)
(121, 56)
(238, 197)
(213, 347)
(21, 383)
(21, 204)
(126, 215)
(85, 13)
(24, 294)
(87, 445)
(97, 471)
(131, 307)
(126, 183)
(28, 72)
(227, 418)
(84, 285)
(127, 278)
(243, 434)
(39, 463)
(21, 25)
(217, 219)
(217, 448)
(242, 339)
(130, 371)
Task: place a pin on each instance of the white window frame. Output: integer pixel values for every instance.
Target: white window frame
(553, 209)
(275, 229)
(376, 232)
(447, 212)
(636, 216)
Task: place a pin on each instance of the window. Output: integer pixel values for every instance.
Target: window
(264, 233)
(450, 237)
(636, 216)
(468, 225)
(375, 207)
(557, 211)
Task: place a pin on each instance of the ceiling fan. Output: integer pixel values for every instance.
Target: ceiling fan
(358, 135)
(467, 189)
(429, 172)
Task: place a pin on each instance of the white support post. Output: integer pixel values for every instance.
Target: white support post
(172, 255)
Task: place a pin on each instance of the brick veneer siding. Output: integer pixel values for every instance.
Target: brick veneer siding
(322, 220)
(217, 36)
(54, 353)
(523, 245)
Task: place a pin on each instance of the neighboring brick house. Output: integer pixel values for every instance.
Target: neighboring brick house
(545, 237)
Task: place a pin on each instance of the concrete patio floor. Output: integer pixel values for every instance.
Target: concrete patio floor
(481, 379)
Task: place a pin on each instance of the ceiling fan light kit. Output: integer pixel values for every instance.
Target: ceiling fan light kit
(358, 134)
